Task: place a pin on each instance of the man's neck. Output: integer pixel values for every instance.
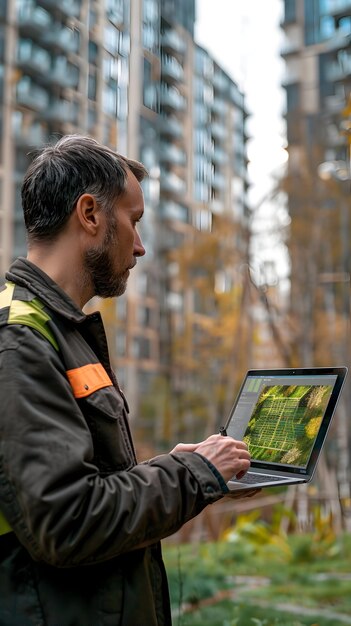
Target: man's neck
(60, 263)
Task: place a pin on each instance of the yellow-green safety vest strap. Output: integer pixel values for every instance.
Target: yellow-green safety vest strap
(27, 313)
(4, 525)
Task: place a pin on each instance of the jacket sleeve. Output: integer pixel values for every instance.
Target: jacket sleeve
(61, 507)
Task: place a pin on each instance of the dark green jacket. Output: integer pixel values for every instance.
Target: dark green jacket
(81, 520)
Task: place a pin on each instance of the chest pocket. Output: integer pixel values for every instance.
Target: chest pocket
(106, 416)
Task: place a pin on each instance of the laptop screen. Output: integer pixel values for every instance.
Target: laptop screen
(279, 415)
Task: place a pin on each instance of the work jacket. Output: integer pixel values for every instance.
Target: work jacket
(81, 520)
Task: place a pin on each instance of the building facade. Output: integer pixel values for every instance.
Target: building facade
(130, 74)
(317, 53)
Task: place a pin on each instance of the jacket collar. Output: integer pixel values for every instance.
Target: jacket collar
(24, 273)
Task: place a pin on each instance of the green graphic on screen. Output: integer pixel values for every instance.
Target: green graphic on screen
(286, 422)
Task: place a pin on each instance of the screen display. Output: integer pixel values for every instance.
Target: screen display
(279, 417)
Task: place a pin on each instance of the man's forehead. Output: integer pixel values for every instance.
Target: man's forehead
(133, 197)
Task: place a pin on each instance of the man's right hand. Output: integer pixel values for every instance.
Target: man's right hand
(229, 456)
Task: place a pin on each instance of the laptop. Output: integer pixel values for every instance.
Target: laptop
(283, 415)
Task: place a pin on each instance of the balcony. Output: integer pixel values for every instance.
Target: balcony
(66, 77)
(32, 58)
(333, 136)
(218, 182)
(340, 8)
(61, 111)
(170, 127)
(30, 136)
(172, 154)
(172, 42)
(32, 19)
(171, 70)
(62, 39)
(173, 211)
(219, 106)
(221, 82)
(69, 8)
(341, 39)
(171, 99)
(219, 157)
(218, 131)
(334, 104)
(339, 70)
(170, 182)
(30, 95)
(216, 206)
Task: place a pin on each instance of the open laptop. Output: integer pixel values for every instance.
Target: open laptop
(283, 415)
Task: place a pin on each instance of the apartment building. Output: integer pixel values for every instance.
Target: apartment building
(130, 74)
(317, 53)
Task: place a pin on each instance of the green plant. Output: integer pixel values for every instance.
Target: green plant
(260, 535)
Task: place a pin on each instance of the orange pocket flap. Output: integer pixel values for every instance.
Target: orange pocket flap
(87, 379)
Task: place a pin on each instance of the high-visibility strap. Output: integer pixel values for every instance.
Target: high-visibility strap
(87, 379)
(84, 380)
(6, 295)
(4, 525)
(27, 313)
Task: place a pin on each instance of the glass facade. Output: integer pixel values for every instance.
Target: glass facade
(64, 68)
(324, 56)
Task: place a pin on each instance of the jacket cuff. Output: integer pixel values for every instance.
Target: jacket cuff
(208, 480)
(215, 471)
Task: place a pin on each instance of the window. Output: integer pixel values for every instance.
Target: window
(3, 8)
(145, 381)
(290, 10)
(292, 97)
(144, 316)
(93, 52)
(112, 36)
(203, 220)
(111, 68)
(116, 41)
(121, 307)
(150, 11)
(109, 101)
(92, 117)
(92, 19)
(121, 342)
(115, 10)
(141, 348)
(92, 87)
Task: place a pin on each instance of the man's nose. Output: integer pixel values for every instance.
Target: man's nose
(139, 249)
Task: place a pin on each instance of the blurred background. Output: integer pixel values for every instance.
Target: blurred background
(241, 112)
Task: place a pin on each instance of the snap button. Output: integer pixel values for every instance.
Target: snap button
(86, 387)
(209, 489)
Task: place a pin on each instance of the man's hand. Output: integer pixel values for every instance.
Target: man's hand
(229, 456)
(245, 493)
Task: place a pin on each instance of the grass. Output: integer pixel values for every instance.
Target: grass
(252, 578)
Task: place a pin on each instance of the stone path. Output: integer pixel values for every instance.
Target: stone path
(254, 582)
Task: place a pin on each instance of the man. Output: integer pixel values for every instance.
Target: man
(81, 520)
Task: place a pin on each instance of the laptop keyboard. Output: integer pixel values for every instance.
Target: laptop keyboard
(252, 479)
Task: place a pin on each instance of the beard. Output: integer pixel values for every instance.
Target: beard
(99, 267)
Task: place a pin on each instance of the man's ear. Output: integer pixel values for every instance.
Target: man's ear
(88, 213)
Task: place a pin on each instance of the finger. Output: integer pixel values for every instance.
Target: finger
(241, 474)
(241, 444)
